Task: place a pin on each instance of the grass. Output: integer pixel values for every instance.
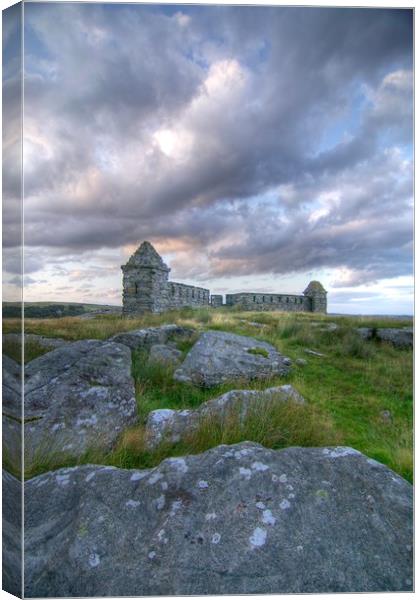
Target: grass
(13, 349)
(346, 391)
(258, 352)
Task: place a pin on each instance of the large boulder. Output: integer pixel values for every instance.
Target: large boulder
(218, 357)
(235, 520)
(11, 387)
(144, 339)
(172, 425)
(400, 338)
(77, 397)
(12, 534)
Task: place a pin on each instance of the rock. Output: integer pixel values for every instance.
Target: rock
(219, 356)
(237, 519)
(144, 339)
(366, 333)
(11, 387)
(301, 362)
(172, 425)
(400, 338)
(386, 416)
(77, 397)
(312, 352)
(40, 340)
(12, 534)
(164, 354)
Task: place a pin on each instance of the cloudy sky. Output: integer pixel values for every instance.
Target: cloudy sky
(256, 148)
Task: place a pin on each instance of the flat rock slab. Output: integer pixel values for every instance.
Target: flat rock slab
(235, 520)
(144, 339)
(172, 425)
(78, 396)
(218, 357)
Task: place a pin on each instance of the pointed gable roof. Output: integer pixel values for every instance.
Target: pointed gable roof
(146, 256)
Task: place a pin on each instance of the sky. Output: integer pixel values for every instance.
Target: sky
(257, 148)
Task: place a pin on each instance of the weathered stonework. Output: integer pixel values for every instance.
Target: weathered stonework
(146, 289)
(216, 300)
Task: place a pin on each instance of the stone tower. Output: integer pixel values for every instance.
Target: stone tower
(145, 282)
(318, 295)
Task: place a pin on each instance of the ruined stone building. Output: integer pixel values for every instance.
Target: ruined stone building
(146, 288)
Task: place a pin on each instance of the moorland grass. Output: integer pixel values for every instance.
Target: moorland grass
(347, 390)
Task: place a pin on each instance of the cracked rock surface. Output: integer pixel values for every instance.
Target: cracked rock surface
(218, 357)
(235, 519)
(78, 396)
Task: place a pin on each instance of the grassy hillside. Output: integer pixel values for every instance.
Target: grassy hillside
(347, 390)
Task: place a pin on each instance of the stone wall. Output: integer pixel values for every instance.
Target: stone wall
(146, 289)
(257, 301)
(216, 300)
(180, 294)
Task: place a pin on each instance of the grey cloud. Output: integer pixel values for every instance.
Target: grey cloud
(102, 80)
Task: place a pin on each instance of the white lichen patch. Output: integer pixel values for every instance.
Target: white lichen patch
(274, 478)
(94, 559)
(210, 516)
(161, 537)
(139, 475)
(90, 476)
(284, 504)
(240, 453)
(164, 485)
(268, 518)
(202, 484)
(160, 502)
(258, 537)
(216, 537)
(260, 505)
(259, 466)
(154, 478)
(178, 464)
(283, 478)
(340, 451)
(291, 496)
(152, 555)
(132, 503)
(244, 472)
(62, 479)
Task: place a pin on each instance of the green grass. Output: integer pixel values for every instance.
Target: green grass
(346, 390)
(13, 349)
(258, 352)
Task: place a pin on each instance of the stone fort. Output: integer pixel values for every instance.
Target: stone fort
(146, 288)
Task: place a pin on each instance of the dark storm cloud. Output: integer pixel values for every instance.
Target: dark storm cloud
(149, 123)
